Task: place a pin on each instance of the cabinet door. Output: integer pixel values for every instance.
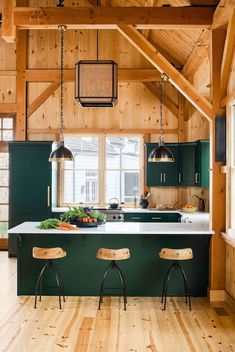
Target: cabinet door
(170, 171)
(154, 176)
(29, 184)
(187, 164)
(134, 217)
(202, 163)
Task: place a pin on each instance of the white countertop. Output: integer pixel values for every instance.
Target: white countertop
(194, 228)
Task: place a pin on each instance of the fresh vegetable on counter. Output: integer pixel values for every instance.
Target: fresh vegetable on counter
(49, 224)
(82, 214)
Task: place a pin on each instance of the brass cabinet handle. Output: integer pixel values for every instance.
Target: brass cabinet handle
(48, 196)
(161, 178)
(164, 177)
(135, 218)
(156, 218)
(197, 178)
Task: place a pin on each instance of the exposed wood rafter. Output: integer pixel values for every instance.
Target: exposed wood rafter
(107, 17)
(158, 61)
(170, 105)
(42, 97)
(228, 51)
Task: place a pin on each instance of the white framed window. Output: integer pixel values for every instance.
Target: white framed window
(104, 167)
(6, 134)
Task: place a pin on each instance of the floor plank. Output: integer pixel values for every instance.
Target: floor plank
(80, 327)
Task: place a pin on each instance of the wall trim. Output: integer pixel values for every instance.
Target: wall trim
(216, 295)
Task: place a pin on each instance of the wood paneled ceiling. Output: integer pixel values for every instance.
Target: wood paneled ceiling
(176, 45)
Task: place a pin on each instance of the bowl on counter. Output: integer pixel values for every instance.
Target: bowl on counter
(188, 209)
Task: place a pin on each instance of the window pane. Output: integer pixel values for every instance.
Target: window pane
(7, 122)
(131, 186)
(3, 212)
(113, 185)
(3, 195)
(122, 152)
(81, 186)
(85, 151)
(3, 178)
(3, 229)
(4, 160)
(7, 135)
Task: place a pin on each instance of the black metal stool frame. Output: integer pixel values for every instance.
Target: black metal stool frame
(113, 265)
(174, 266)
(39, 285)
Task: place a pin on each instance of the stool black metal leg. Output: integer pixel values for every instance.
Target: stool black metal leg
(123, 284)
(102, 284)
(173, 267)
(164, 282)
(60, 280)
(57, 281)
(38, 283)
(186, 286)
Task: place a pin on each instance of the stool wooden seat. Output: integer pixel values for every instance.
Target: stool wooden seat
(176, 255)
(113, 255)
(49, 254)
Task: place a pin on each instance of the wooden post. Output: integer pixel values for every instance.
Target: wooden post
(8, 28)
(21, 85)
(218, 184)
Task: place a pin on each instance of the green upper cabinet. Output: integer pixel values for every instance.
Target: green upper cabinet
(30, 178)
(187, 164)
(202, 163)
(162, 174)
(190, 168)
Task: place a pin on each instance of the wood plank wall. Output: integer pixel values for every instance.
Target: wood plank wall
(137, 106)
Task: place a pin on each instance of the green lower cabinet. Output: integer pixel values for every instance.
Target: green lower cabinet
(152, 217)
(144, 272)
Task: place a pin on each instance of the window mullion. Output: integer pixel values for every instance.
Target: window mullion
(102, 157)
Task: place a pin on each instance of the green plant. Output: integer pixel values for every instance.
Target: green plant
(49, 224)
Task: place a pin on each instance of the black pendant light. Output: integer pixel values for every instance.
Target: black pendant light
(61, 153)
(96, 81)
(161, 154)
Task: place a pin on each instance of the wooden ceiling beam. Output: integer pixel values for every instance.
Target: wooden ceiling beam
(102, 130)
(162, 65)
(8, 27)
(228, 52)
(107, 17)
(169, 104)
(124, 75)
(222, 14)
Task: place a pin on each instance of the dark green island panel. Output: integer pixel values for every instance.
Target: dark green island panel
(144, 271)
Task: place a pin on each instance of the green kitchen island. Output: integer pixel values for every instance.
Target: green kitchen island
(144, 271)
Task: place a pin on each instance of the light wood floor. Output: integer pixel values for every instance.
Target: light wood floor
(80, 327)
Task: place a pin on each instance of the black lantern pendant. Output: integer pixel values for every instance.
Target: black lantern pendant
(61, 153)
(96, 82)
(161, 153)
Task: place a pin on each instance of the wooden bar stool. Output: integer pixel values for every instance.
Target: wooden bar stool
(176, 255)
(113, 255)
(49, 254)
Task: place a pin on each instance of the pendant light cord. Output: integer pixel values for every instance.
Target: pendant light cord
(62, 30)
(161, 110)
